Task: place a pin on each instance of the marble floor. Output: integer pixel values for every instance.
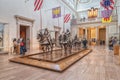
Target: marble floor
(100, 64)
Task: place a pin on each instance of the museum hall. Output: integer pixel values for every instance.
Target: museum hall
(59, 39)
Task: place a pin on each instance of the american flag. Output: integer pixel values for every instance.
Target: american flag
(108, 4)
(66, 18)
(37, 4)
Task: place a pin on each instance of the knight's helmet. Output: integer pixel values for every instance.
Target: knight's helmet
(68, 34)
(46, 32)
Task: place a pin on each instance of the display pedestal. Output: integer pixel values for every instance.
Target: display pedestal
(116, 50)
(57, 61)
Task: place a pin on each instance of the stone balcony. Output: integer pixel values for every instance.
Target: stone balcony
(92, 20)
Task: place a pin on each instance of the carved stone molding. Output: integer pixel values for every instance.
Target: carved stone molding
(24, 21)
(24, 18)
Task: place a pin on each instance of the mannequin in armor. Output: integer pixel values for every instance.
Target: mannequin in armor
(46, 33)
(46, 36)
(65, 37)
(68, 33)
(76, 38)
(40, 37)
(60, 40)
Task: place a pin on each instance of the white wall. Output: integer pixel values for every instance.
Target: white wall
(118, 11)
(47, 14)
(74, 30)
(10, 8)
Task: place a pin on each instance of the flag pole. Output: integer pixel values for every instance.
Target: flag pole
(63, 20)
(40, 20)
(58, 21)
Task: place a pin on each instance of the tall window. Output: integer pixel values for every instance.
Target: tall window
(1, 35)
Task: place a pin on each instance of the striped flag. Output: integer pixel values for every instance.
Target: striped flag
(108, 4)
(37, 4)
(66, 18)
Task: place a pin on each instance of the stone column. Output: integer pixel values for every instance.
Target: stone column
(97, 33)
(107, 35)
(86, 33)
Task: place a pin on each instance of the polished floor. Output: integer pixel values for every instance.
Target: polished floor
(100, 64)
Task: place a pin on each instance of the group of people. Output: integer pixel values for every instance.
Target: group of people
(16, 49)
(83, 41)
(112, 42)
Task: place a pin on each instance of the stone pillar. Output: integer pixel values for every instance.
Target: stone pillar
(96, 33)
(86, 33)
(107, 35)
(74, 31)
(118, 16)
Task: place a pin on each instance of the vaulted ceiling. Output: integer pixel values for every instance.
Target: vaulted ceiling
(80, 5)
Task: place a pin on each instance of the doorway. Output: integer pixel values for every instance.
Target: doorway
(25, 34)
(82, 32)
(57, 30)
(91, 33)
(102, 35)
(56, 37)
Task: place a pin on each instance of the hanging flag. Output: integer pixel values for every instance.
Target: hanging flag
(37, 5)
(107, 20)
(107, 4)
(56, 12)
(106, 13)
(66, 18)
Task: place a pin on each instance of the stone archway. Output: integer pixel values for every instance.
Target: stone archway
(57, 33)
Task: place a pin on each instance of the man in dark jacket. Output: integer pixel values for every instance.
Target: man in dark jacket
(85, 43)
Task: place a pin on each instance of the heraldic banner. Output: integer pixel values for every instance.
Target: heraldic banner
(56, 12)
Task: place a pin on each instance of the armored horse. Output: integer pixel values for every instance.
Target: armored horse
(65, 42)
(76, 43)
(45, 40)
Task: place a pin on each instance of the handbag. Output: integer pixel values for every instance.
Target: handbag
(24, 49)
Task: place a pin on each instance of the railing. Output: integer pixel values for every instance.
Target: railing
(84, 19)
(91, 20)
